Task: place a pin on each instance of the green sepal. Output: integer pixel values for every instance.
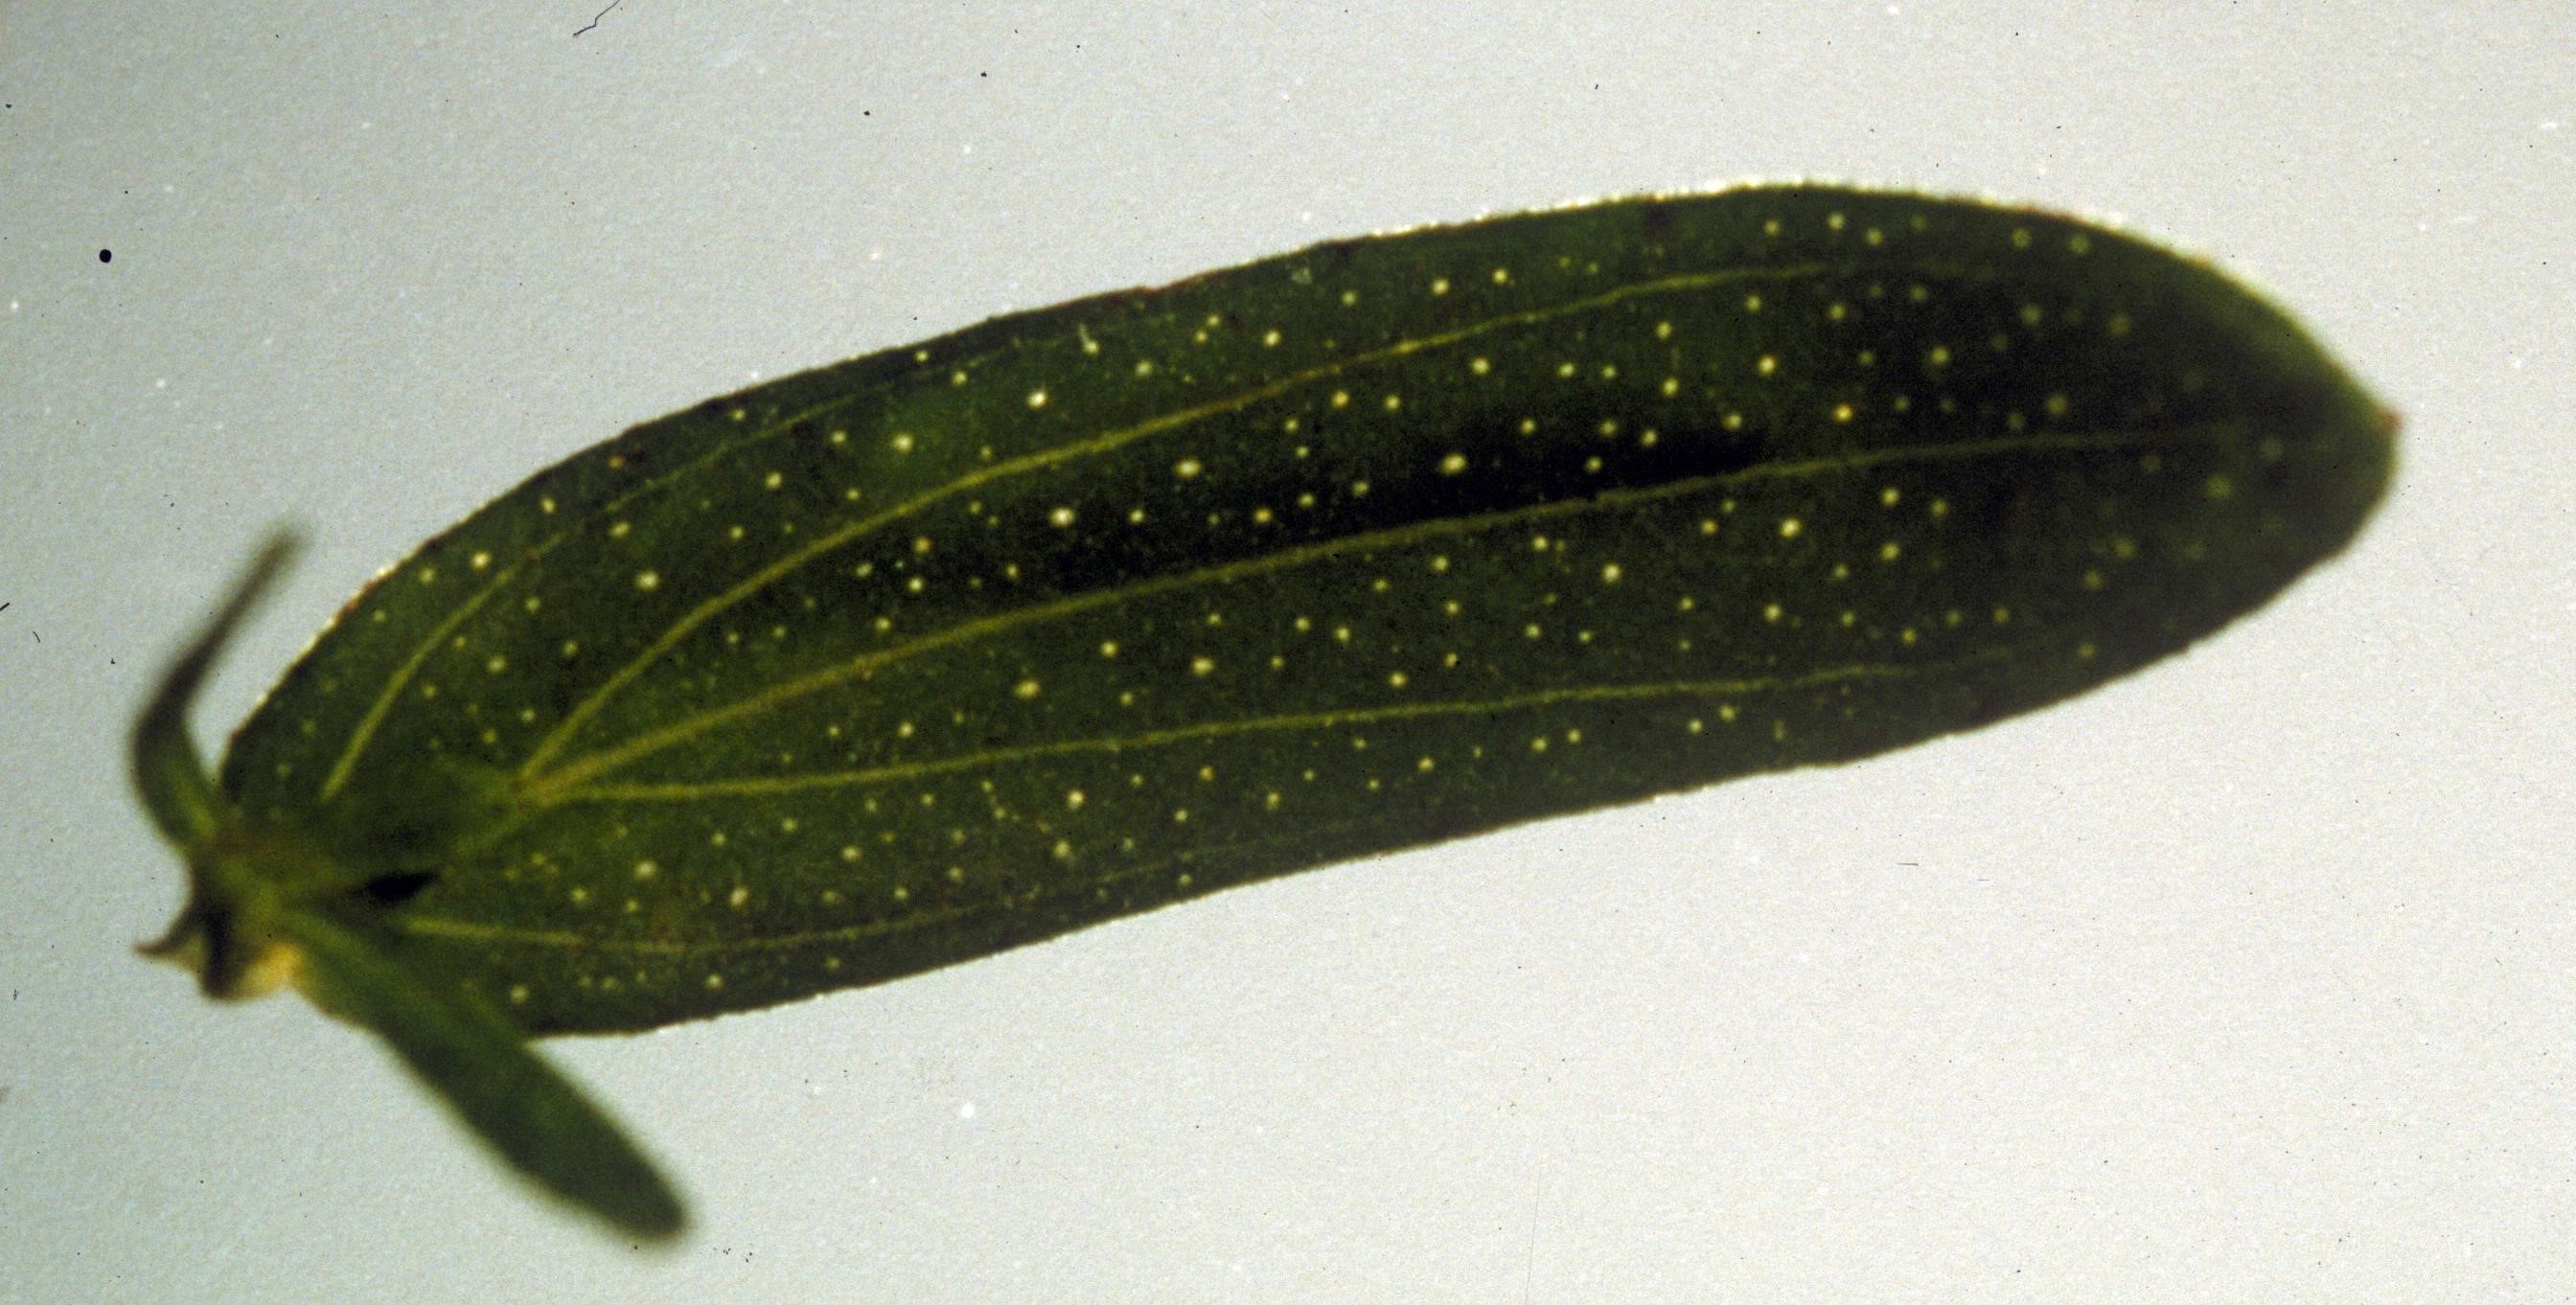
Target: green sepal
(479, 1064)
(171, 777)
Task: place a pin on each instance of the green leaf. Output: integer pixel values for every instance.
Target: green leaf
(1085, 611)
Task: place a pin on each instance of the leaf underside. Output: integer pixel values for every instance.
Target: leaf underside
(1083, 611)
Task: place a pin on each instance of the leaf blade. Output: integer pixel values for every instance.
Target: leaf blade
(951, 648)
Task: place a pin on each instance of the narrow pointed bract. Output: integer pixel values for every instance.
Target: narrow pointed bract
(1084, 611)
(474, 1059)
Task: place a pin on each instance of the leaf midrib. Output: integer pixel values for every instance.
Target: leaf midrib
(570, 783)
(534, 768)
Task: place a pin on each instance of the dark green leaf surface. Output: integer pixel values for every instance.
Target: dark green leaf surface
(1083, 611)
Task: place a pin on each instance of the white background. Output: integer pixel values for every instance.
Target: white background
(2250, 978)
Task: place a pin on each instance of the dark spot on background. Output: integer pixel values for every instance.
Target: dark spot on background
(106, 255)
